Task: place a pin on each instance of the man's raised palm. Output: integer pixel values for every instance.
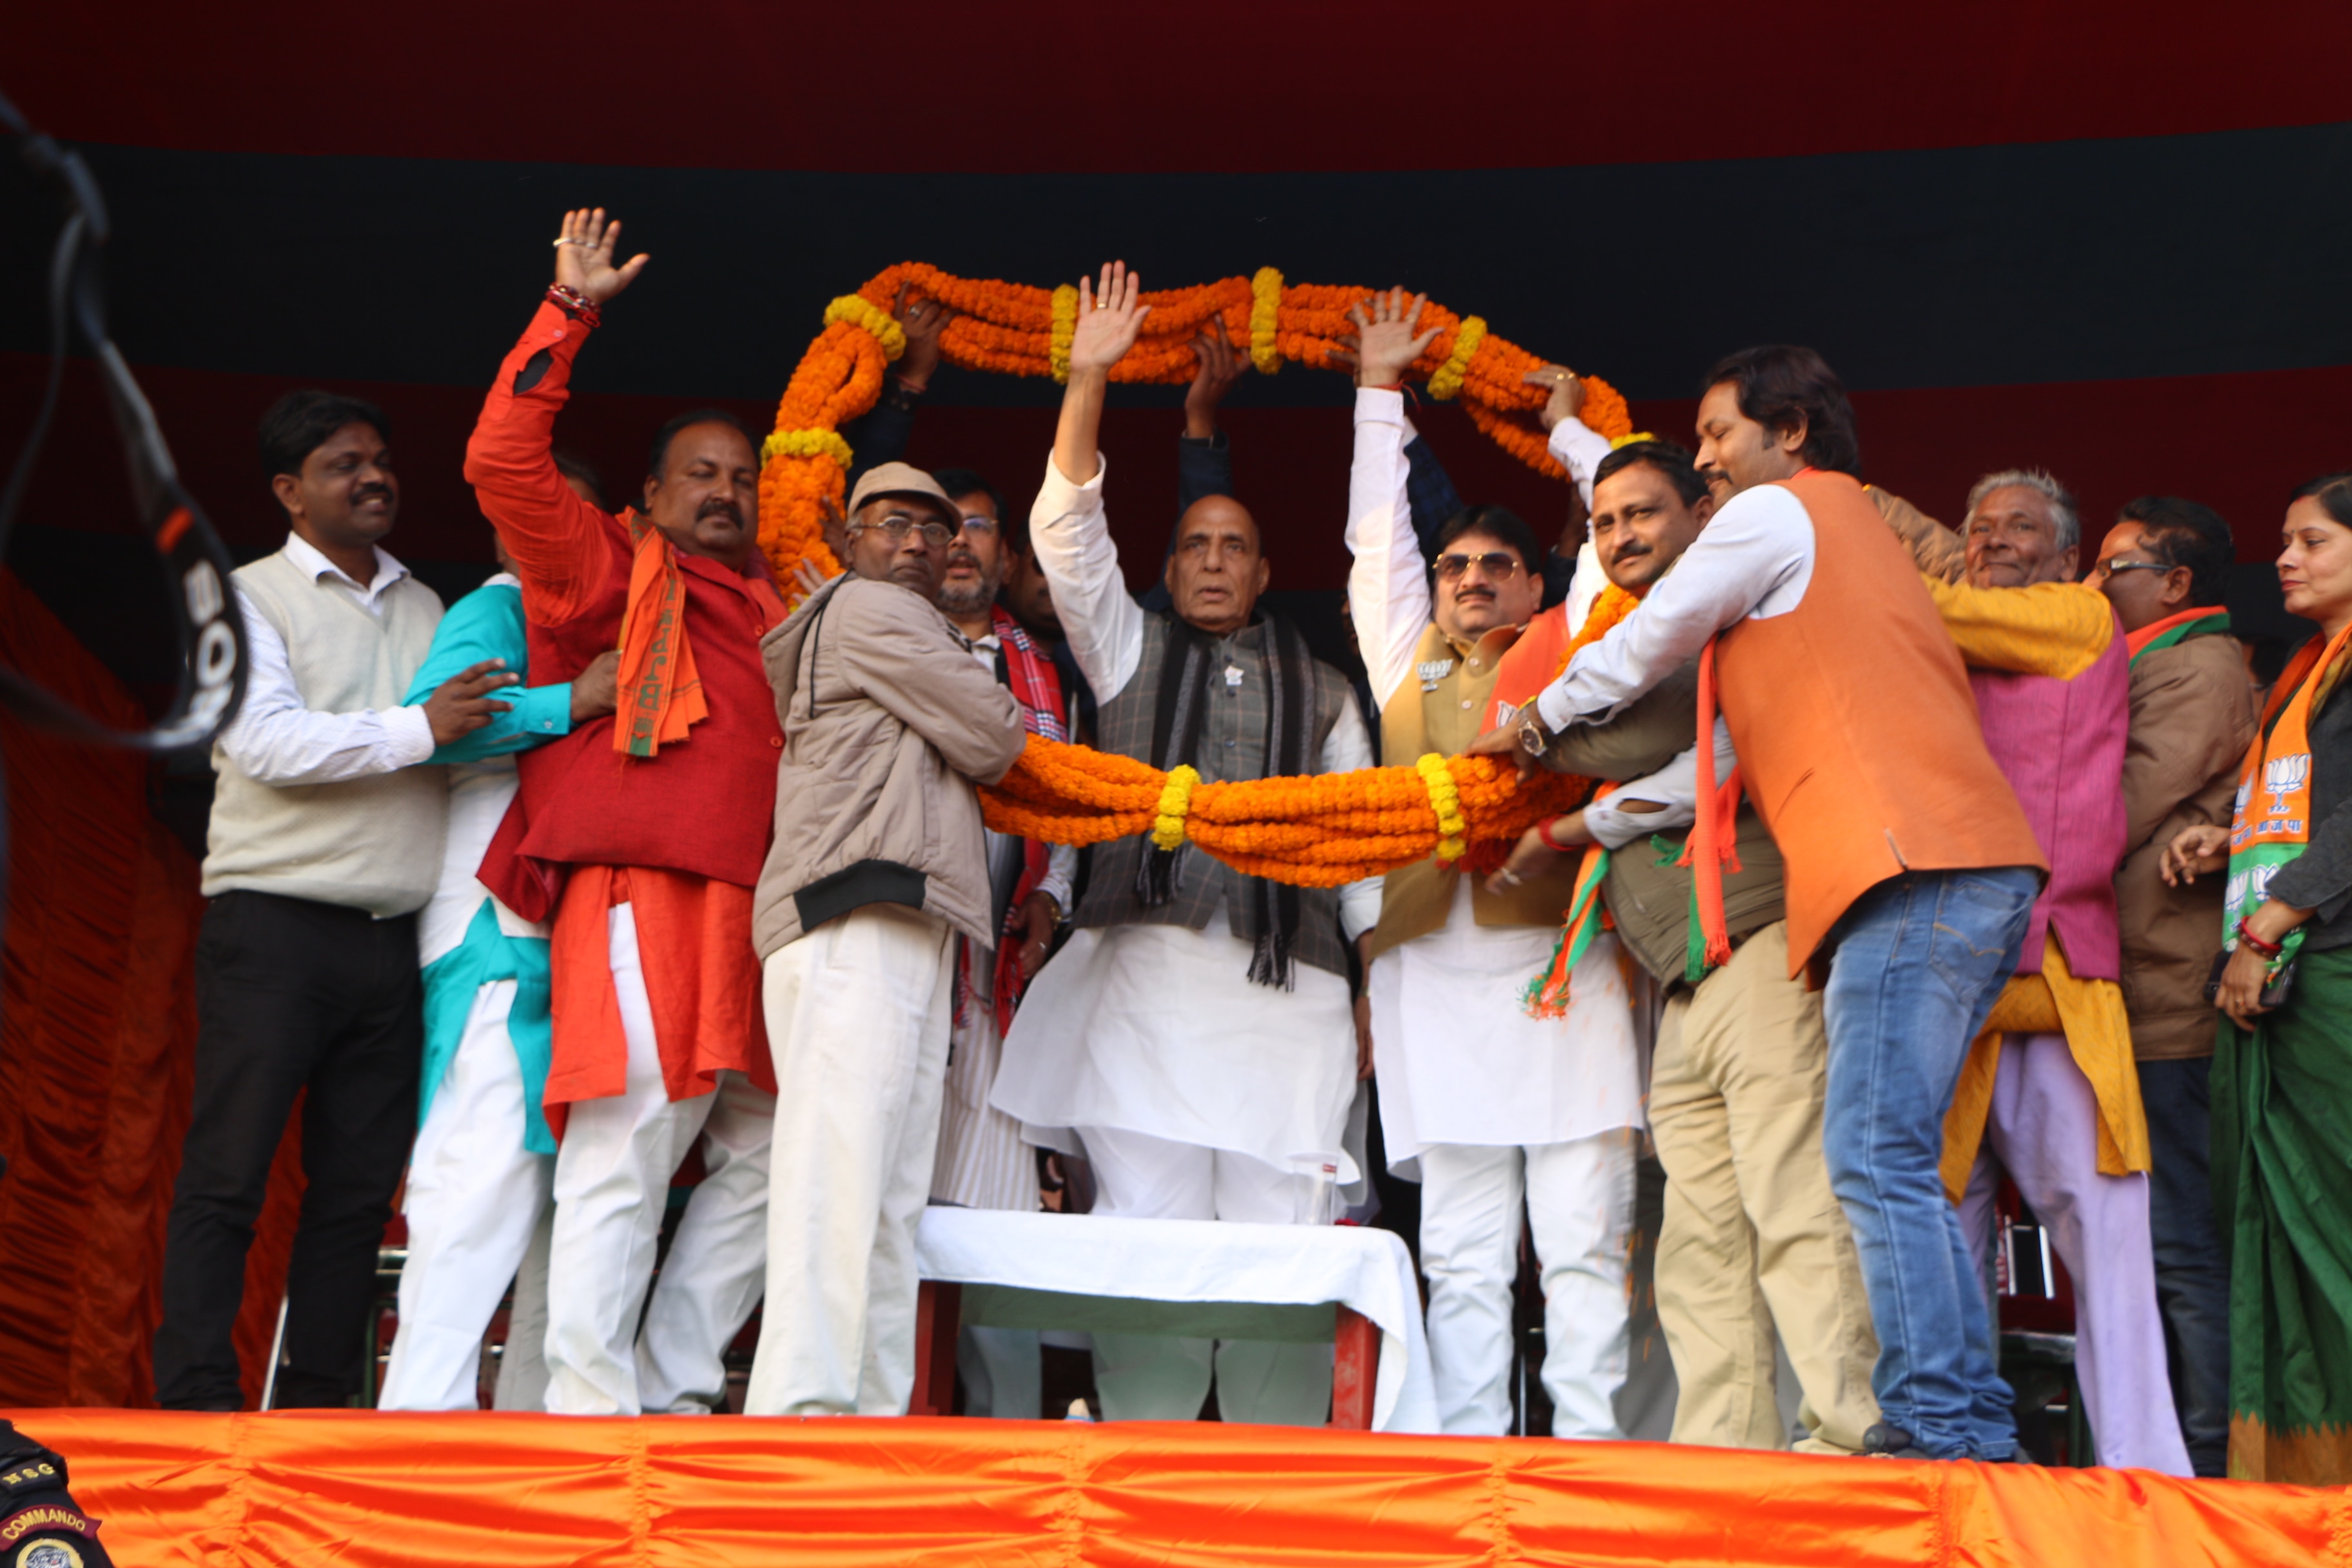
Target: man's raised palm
(585, 262)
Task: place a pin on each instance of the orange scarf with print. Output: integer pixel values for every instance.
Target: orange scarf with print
(660, 694)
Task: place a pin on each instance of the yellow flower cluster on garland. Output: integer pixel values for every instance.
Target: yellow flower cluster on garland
(1629, 438)
(807, 444)
(1445, 801)
(860, 312)
(1265, 320)
(1066, 327)
(1448, 379)
(1017, 330)
(1175, 803)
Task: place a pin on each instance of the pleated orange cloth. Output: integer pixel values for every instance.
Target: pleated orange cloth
(363, 1489)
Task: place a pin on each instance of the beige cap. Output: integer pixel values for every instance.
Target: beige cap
(903, 480)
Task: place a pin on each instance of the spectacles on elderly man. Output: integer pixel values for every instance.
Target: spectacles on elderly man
(1494, 563)
(895, 527)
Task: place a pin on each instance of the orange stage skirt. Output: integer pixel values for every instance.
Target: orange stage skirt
(359, 1488)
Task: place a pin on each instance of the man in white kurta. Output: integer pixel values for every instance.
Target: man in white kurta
(1192, 1086)
(1489, 1105)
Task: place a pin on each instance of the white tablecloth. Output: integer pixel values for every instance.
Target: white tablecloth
(1184, 1261)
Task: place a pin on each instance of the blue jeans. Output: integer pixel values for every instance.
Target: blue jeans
(2192, 1264)
(1919, 960)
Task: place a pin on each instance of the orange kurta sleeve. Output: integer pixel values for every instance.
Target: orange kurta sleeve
(561, 544)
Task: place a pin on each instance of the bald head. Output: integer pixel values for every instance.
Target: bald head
(1218, 570)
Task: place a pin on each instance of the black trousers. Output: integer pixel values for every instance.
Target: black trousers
(2192, 1255)
(290, 994)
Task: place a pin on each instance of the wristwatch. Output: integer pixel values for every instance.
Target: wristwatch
(1534, 739)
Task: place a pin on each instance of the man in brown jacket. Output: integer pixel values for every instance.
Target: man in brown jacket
(2164, 567)
(877, 867)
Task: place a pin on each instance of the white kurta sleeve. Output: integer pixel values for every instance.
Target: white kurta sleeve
(1673, 788)
(1347, 748)
(1388, 585)
(1071, 535)
(1754, 557)
(278, 741)
(1579, 449)
(1061, 874)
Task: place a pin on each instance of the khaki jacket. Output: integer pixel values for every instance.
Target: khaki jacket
(2192, 717)
(888, 722)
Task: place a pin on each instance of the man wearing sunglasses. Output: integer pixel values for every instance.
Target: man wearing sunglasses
(877, 873)
(1481, 1102)
(2165, 566)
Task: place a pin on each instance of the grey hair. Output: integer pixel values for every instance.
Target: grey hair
(2038, 480)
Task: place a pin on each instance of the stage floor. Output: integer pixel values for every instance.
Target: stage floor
(359, 1488)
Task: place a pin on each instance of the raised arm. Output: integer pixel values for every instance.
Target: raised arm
(557, 539)
(1067, 529)
(1204, 458)
(1577, 445)
(1388, 585)
(880, 434)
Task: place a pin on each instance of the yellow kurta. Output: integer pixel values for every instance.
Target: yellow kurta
(2089, 1014)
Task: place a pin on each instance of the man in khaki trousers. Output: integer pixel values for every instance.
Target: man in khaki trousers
(1753, 1245)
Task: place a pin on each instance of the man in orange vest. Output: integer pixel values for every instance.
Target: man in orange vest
(1911, 871)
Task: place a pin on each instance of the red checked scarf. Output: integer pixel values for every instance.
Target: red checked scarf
(660, 693)
(1037, 686)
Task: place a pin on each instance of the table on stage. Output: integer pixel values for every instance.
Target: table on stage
(1345, 1285)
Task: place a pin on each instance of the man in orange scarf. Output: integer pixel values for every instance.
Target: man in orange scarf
(642, 836)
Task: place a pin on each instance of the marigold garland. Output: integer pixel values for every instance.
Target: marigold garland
(1445, 803)
(1018, 329)
(806, 444)
(1319, 831)
(1448, 379)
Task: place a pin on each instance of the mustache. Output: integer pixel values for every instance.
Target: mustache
(371, 493)
(719, 506)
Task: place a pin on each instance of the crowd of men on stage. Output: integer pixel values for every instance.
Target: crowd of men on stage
(692, 864)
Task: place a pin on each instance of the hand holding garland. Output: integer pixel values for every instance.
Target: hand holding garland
(1391, 339)
(1220, 366)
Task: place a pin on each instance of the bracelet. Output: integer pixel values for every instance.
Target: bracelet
(1384, 386)
(1543, 831)
(2267, 949)
(575, 304)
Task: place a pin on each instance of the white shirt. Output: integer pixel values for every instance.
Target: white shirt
(1388, 585)
(1071, 535)
(1579, 449)
(278, 741)
(1673, 788)
(1753, 560)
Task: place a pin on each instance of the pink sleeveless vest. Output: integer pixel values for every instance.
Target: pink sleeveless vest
(2061, 742)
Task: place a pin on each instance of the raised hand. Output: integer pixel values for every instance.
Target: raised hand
(1566, 399)
(1110, 318)
(583, 255)
(1390, 339)
(1220, 366)
(923, 320)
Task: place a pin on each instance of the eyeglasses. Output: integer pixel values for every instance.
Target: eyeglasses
(898, 525)
(980, 525)
(2109, 568)
(1494, 563)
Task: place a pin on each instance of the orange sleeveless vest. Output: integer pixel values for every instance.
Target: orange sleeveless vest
(1857, 734)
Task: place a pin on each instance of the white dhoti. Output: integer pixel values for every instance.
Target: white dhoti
(613, 1174)
(475, 1195)
(1491, 1106)
(859, 1011)
(1192, 1092)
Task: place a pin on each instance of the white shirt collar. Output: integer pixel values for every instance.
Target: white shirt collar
(315, 565)
(501, 579)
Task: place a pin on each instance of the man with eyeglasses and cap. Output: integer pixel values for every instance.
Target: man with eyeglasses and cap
(877, 873)
(1487, 1103)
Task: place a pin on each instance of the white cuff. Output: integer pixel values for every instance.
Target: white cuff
(407, 735)
(1379, 406)
(1061, 494)
(1579, 449)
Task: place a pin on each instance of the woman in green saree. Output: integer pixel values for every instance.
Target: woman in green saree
(2282, 1082)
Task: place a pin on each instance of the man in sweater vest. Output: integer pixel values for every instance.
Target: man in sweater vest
(639, 838)
(877, 873)
(1911, 871)
(325, 838)
(2165, 567)
(1197, 1029)
(2050, 1093)
(1752, 1246)
(1486, 1105)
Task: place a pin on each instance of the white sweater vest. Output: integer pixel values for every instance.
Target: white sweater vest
(372, 844)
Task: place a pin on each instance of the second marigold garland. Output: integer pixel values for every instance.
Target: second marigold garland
(1022, 331)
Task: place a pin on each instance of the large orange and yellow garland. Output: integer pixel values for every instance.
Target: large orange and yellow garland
(1022, 331)
(1319, 831)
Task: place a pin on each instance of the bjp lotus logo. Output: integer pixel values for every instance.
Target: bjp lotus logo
(2283, 776)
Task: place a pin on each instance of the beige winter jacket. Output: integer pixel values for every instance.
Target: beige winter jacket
(888, 722)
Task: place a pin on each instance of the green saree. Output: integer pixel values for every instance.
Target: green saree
(2282, 1192)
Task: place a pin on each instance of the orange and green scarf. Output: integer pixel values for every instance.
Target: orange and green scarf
(2271, 824)
(660, 694)
(2198, 621)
